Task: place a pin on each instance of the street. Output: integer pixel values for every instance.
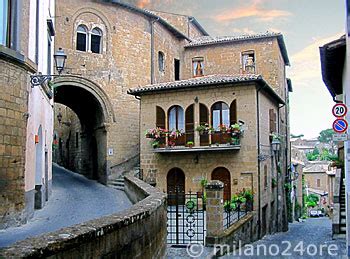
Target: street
(74, 200)
(309, 239)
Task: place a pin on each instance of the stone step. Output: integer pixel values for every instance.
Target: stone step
(343, 229)
(117, 187)
(342, 213)
(342, 221)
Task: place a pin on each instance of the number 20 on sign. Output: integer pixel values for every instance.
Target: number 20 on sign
(339, 110)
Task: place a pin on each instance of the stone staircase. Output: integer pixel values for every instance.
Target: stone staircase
(342, 208)
(118, 183)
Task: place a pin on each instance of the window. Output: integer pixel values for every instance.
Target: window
(272, 119)
(82, 38)
(96, 36)
(161, 61)
(5, 7)
(265, 177)
(248, 62)
(198, 67)
(176, 118)
(220, 113)
(176, 69)
(318, 182)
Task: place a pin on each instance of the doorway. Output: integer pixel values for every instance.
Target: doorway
(176, 185)
(223, 175)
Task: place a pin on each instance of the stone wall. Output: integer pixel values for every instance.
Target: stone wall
(14, 82)
(138, 232)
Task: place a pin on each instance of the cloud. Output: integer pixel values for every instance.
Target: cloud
(310, 104)
(143, 3)
(306, 63)
(251, 11)
(243, 31)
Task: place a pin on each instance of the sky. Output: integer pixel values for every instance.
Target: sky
(305, 24)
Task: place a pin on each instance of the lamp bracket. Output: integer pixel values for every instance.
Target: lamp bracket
(39, 79)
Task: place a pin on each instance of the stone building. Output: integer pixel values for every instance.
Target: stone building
(320, 179)
(113, 47)
(26, 47)
(252, 96)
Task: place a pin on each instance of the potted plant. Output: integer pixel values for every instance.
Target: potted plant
(236, 128)
(273, 182)
(190, 144)
(204, 129)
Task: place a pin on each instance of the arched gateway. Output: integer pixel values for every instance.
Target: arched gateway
(95, 113)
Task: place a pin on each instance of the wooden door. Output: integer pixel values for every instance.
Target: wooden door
(176, 186)
(223, 175)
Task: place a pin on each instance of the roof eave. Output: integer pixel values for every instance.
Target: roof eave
(198, 25)
(171, 28)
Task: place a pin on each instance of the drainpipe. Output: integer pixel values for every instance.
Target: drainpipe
(258, 142)
(152, 49)
(37, 32)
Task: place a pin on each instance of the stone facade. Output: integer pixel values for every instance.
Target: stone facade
(26, 128)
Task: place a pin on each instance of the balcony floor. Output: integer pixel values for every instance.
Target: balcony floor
(183, 149)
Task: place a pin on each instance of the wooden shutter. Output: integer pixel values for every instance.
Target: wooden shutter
(233, 112)
(160, 118)
(272, 118)
(203, 118)
(189, 123)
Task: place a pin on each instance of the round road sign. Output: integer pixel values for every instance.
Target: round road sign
(340, 125)
(339, 110)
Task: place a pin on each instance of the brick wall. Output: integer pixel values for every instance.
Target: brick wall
(14, 80)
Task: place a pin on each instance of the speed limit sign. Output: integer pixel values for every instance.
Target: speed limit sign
(339, 110)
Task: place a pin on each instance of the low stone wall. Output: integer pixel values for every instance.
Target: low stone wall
(236, 236)
(138, 232)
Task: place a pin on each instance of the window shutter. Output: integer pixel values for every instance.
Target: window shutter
(189, 127)
(272, 118)
(233, 112)
(160, 118)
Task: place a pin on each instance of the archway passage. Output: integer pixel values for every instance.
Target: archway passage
(89, 143)
(176, 186)
(223, 175)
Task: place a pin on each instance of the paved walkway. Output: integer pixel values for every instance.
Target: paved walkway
(309, 239)
(74, 200)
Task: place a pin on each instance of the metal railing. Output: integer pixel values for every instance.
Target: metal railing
(234, 212)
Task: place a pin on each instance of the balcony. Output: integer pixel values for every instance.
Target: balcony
(208, 142)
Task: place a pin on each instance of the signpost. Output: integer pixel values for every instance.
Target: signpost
(340, 125)
(339, 110)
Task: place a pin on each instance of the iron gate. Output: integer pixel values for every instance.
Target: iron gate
(186, 218)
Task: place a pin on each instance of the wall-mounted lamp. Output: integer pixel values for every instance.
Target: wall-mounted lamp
(196, 159)
(275, 145)
(196, 99)
(60, 61)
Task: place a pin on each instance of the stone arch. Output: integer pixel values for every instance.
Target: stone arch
(92, 88)
(94, 114)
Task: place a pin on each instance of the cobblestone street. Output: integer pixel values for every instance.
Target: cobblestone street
(74, 200)
(309, 239)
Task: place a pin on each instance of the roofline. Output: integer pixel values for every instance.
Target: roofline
(260, 81)
(279, 37)
(147, 13)
(198, 25)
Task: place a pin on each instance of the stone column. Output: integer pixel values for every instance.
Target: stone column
(214, 211)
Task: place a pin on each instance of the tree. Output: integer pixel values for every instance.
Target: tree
(326, 136)
(296, 136)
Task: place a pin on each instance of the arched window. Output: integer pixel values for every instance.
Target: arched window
(161, 61)
(220, 114)
(81, 38)
(176, 118)
(96, 38)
